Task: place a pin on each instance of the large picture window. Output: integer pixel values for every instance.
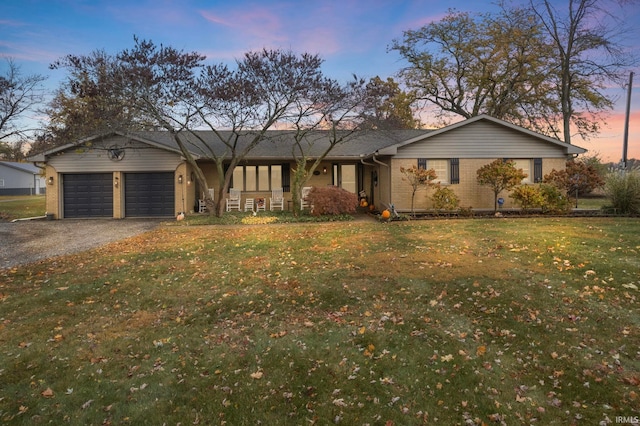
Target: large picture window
(257, 178)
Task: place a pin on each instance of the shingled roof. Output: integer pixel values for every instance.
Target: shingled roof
(279, 144)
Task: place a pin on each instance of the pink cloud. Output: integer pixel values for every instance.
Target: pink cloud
(608, 145)
(260, 25)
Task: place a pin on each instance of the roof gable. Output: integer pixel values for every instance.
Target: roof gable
(487, 137)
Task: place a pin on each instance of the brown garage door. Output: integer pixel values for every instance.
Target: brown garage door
(87, 195)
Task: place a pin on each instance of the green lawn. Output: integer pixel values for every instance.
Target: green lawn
(20, 206)
(477, 321)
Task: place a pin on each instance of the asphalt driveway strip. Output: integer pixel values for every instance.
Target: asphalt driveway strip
(24, 242)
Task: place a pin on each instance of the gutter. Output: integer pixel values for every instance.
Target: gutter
(375, 160)
(364, 162)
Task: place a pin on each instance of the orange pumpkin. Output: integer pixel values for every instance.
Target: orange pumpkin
(363, 203)
(386, 214)
(372, 207)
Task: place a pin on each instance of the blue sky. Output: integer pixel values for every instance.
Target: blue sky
(351, 35)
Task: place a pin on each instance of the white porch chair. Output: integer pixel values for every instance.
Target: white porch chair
(233, 201)
(202, 207)
(277, 199)
(248, 205)
(304, 202)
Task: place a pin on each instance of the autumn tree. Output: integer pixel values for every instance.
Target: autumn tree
(388, 107)
(90, 100)
(500, 175)
(588, 55)
(466, 65)
(268, 88)
(419, 178)
(578, 177)
(20, 94)
(326, 117)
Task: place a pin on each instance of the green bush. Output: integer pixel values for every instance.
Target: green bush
(623, 190)
(332, 200)
(528, 196)
(555, 201)
(445, 199)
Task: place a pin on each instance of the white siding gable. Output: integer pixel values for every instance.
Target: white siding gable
(482, 139)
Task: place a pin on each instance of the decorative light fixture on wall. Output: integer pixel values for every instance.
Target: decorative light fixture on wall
(180, 179)
(50, 180)
(324, 170)
(116, 181)
(192, 177)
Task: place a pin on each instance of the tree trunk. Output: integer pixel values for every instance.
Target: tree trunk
(300, 176)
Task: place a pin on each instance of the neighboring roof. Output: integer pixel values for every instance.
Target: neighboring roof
(570, 149)
(23, 167)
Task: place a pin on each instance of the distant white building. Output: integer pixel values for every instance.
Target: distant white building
(20, 179)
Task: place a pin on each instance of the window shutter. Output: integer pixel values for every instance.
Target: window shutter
(422, 163)
(286, 178)
(537, 170)
(454, 170)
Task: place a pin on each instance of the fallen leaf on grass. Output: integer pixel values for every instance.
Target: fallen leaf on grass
(47, 393)
(339, 402)
(257, 375)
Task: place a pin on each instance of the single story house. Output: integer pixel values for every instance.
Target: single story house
(144, 174)
(20, 179)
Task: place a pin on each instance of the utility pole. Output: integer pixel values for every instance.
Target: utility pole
(625, 142)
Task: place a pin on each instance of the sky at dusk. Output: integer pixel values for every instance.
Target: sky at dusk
(352, 36)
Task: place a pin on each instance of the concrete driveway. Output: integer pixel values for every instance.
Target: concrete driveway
(28, 241)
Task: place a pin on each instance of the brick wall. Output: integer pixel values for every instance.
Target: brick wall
(471, 194)
(52, 203)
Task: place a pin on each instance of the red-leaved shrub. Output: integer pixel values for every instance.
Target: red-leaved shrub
(331, 200)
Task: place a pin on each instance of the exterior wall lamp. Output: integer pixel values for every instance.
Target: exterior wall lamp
(324, 170)
(50, 180)
(116, 181)
(180, 179)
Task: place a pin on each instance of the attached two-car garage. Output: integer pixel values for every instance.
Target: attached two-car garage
(91, 195)
(116, 175)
